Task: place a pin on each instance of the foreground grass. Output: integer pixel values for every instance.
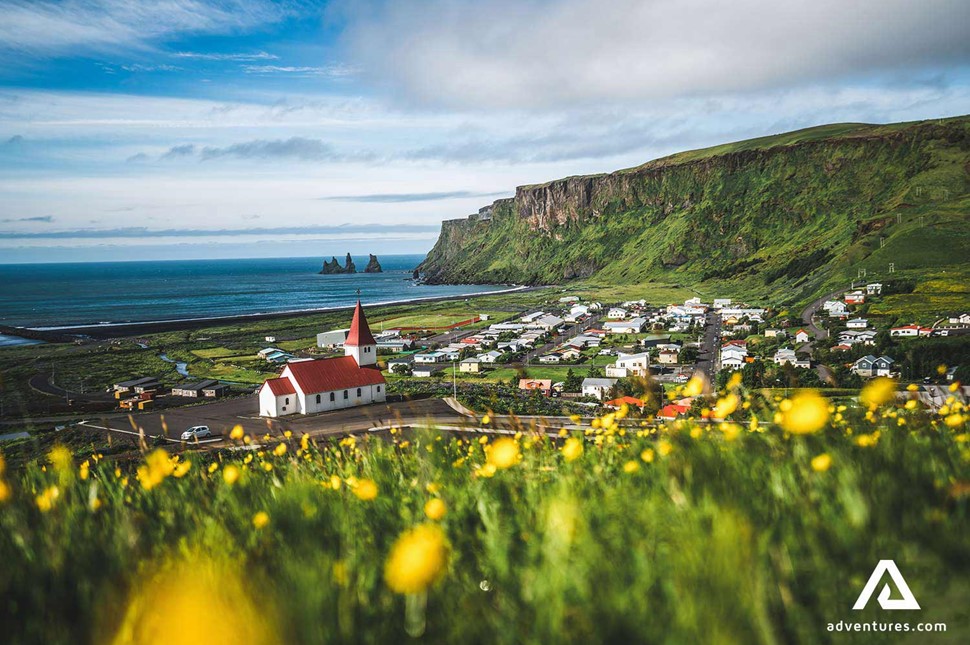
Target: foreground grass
(623, 532)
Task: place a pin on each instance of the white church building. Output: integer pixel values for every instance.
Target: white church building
(306, 387)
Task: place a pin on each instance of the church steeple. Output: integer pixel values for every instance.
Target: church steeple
(360, 341)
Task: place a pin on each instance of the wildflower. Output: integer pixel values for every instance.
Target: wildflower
(433, 487)
(305, 442)
(84, 470)
(4, 491)
(366, 489)
(280, 450)
(417, 560)
(288, 434)
(230, 474)
(60, 458)
(213, 467)
(156, 468)
(735, 381)
(694, 386)
(631, 467)
(486, 420)
(647, 455)
(488, 470)
(335, 482)
(954, 386)
(664, 447)
(911, 404)
(726, 406)
(878, 391)
(267, 466)
(730, 431)
(821, 463)
(236, 433)
(805, 414)
(867, 440)
(575, 418)
(954, 420)
(45, 501)
(435, 509)
(260, 519)
(572, 449)
(503, 453)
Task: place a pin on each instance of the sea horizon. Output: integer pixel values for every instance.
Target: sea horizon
(80, 294)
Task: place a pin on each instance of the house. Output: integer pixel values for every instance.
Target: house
(841, 347)
(194, 390)
(270, 339)
(427, 370)
(215, 391)
(542, 385)
(311, 386)
(910, 331)
(598, 387)
(554, 357)
(775, 333)
(490, 357)
(721, 303)
(430, 357)
(397, 365)
(635, 364)
(278, 356)
(855, 298)
(332, 339)
(668, 356)
(630, 401)
(548, 322)
(732, 362)
(962, 319)
(268, 351)
(869, 366)
(531, 318)
(802, 336)
(634, 326)
(617, 313)
(857, 323)
(784, 355)
(138, 385)
(471, 365)
(835, 308)
(672, 411)
(874, 289)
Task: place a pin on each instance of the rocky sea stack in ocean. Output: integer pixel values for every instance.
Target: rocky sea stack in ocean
(373, 266)
(332, 266)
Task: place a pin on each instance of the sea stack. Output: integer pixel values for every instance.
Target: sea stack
(373, 266)
(333, 266)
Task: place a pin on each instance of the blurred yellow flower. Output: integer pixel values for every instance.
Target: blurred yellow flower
(807, 413)
(305, 442)
(60, 458)
(280, 450)
(647, 455)
(230, 474)
(664, 447)
(156, 468)
(366, 489)
(5, 493)
(417, 560)
(631, 467)
(84, 470)
(503, 453)
(435, 509)
(726, 405)
(867, 440)
(213, 467)
(260, 519)
(486, 420)
(911, 404)
(572, 449)
(878, 391)
(821, 463)
(695, 386)
(182, 468)
(236, 433)
(45, 501)
(954, 420)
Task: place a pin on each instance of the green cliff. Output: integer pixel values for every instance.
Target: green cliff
(791, 210)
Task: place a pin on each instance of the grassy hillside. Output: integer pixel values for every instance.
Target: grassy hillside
(788, 216)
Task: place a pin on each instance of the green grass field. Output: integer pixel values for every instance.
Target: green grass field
(681, 533)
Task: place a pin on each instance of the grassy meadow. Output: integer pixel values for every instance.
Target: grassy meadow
(759, 529)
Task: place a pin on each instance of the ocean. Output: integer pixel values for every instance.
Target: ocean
(72, 294)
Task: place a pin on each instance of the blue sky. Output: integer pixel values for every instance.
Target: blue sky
(135, 129)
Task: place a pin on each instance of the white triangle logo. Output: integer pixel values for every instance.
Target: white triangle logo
(908, 600)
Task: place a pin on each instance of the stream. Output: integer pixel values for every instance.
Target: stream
(180, 367)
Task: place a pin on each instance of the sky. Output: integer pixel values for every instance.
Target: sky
(173, 129)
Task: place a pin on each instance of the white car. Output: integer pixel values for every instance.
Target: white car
(196, 432)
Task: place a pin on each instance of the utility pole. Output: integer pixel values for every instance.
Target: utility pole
(454, 379)
(882, 242)
(892, 267)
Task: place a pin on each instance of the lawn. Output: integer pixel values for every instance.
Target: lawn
(681, 533)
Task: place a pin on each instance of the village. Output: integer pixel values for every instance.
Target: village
(574, 356)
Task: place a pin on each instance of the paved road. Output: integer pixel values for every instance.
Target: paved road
(707, 356)
(569, 333)
(819, 333)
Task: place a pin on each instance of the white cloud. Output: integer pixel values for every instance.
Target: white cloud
(528, 53)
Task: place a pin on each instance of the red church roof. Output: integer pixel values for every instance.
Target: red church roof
(359, 330)
(329, 374)
(280, 386)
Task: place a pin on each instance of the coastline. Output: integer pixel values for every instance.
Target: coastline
(122, 329)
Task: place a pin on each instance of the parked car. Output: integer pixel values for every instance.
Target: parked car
(196, 432)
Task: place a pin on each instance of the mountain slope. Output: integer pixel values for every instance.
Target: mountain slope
(791, 211)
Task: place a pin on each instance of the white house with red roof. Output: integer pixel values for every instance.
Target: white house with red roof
(307, 387)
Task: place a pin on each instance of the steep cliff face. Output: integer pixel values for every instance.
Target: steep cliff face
(744, 209)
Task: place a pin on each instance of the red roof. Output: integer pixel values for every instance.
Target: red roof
(739, 343)
(629, 400)
(329, 374)
(359, 330)
(673, 411)
(280, 386)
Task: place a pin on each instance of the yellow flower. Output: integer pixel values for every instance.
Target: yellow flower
(911, 404)
(878, 391)
(694, 386)
(664, 447)
(631, 467)
(4, 491)
(572, 449)
(503, 453)
(435, 509)
(488, 470)
(954, 420)
(954, 386)
(486, 420)
(821, 463)
(60, 458)
(334, 482)
(366, 489)
(305, 442)
(726, 406)
(731, 431)
(288, 434)
(260, 519)
(3, 464)
(807, 413)
(647, 455)
(182, 468)
(280, 450)
(433, 488)
(156, 468)
(575, 418)
(418, 559)
(85, 470)
(867, 440)
(237, 432)
(267, 466)
(45, 501)
(230, 474)
(734, 381)
(213, 467)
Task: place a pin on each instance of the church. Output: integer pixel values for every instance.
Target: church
(306, 387)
